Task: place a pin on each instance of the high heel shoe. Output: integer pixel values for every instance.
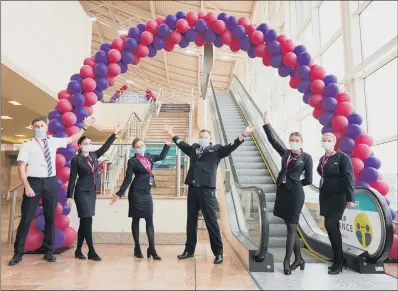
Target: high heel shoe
(94, 257)
(344, 264)
(138, 254)
(152, 252)
(286, 268)
(297, 264)
(80, 256)
(336, 269)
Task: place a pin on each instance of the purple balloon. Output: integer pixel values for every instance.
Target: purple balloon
(218, 42)
(77, 99)
(54, 114)
(276, 60)
(369, 175)
(102, 83)
(80, 112)
(62, 197)
(355, 118)
(79, 124)
(326, 118)
(142, 27)
(306, 97)
(74, 87)
(40, 222)
(372, 162)
(244, 43)
(284, 71)
(299, 49)
(171, 21)
(101, 57)
(191, 35)
(252, 51)
(393, 214)
(329, 104)
(201, 25)
(231, 23)
(76, 77)
(152, 51)
(304, 86)
(329, 79)
(303, 72)
(106, 47)
(361, 184)
(331, 90)
(66, 210)
(39, 210)
(56, 125)
(134, 33)
(127, 57)
(59, 182)
(130, 44)
(210, 35)
(158, 43)
(327, 129)
(222, 16)
(163, 30)
(273, 47)
(180, 15)
(346, 144)
(239, 31)
(387, 201)
(304, 59)
(100, 70)
(263, 27)
(61, 134)
(183, 43)
(353, 131)
(123, 68)
(59, 238)
(67, 152)
(270, 35)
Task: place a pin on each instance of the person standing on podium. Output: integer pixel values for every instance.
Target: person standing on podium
(201, 179)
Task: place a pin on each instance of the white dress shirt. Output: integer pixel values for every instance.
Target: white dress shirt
(31, 152)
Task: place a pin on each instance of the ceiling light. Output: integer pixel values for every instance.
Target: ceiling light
(5, 117)
(20, 135)
(190, 51)
(29, 127)
(93, 18)
(122, 31)
(130, 82)
(225, 57)
(14, 103)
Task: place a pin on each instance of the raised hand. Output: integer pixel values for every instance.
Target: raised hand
(89, 121)
(114, 199)
(169, 129)
(265, 117)
(116, 129)
(167, 142)
(248, 130)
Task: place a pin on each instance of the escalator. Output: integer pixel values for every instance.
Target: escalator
(255, 165)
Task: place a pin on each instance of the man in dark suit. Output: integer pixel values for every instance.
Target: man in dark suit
(201, 179)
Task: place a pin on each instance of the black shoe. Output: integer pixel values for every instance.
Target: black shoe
(79, 255)
(15, 260)
(94, 257)
(286, 268)
(49, 257)
(218, 259)
(152, 252)
(185, 255)
(296, 264)
(336, 269)
(138, 253)
(344, 264)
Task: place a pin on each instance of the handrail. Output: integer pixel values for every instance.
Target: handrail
(15, 187)
(264, 224)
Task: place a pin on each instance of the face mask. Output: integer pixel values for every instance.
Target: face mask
(328, 146)
(295, 146)
(87, 148)
(40, 132)
(203, 142)
(140, 151)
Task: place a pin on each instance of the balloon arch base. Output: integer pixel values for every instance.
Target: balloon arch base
(42, 251)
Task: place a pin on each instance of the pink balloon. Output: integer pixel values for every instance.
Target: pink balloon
(141, 51)
(111, 81)
(250, 29)
(64, 94)
(182, 26)
(136, 60)
(89, 110)
(244, 21)
(394, 229)
(71, 130)
(175, 37)
(70, 236)
(60, 161)
(89, 84)
(69, 118)
(114, 55)
(87, 72)
(200, 41)
(64, 105)
(62, 222)
(226, 37)
(89, 62)
(146, 38)
(113, 70)
(192, 17)
(91, 98)
(75, 146)
(257, 37)
(219, 27)
(118, 44)
(152, 26)
(168, 45)
(65, 186)
(160, 20)
(58, 210)
(34, 240)
(394, 250)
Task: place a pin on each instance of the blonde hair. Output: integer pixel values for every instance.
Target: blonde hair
(331, 135)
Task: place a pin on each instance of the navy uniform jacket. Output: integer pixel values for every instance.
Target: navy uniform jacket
(203, 170)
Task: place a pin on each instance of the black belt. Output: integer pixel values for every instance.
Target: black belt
(42, 178)
(194, 184)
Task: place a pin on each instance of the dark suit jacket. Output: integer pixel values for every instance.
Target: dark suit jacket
(203, 171)
(295, 167)
(79, 166)
(142, 177)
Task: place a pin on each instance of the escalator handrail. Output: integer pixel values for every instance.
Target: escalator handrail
(264, 223)
(381, 204)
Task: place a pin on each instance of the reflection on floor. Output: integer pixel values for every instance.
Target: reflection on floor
(120, 271)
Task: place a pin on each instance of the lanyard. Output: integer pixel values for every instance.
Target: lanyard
(323, 163)
(42, 149)
(290, 158)
(90, 163)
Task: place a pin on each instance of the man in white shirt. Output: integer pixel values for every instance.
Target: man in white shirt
(37, 171)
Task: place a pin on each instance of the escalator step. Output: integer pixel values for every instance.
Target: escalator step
(247, 160)
(253, 172)
(242, 165)
(268, 188)
(255, 179)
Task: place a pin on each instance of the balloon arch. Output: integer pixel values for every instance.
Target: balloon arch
(332, 107)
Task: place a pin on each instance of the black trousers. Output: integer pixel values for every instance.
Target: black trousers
(203, 199)
(332, 226)
(46, 188)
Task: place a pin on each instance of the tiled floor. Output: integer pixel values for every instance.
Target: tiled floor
(119, 270)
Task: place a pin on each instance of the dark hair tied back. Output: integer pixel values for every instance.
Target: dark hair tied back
(79, 142)
(135, 141)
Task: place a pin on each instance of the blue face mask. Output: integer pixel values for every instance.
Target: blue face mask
(204, 142)
(40, 132)
(140, 151)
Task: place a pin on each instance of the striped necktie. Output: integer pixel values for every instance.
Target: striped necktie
(48, 157)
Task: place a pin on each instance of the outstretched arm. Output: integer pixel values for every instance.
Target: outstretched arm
(163, 154)
(87, 123)
(127, 179)
(182, 145)
(105, 147)
(225, 151)
(271, 138)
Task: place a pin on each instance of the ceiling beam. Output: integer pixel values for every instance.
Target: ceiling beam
(233, 71)
(199, 66)
(253, 12)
